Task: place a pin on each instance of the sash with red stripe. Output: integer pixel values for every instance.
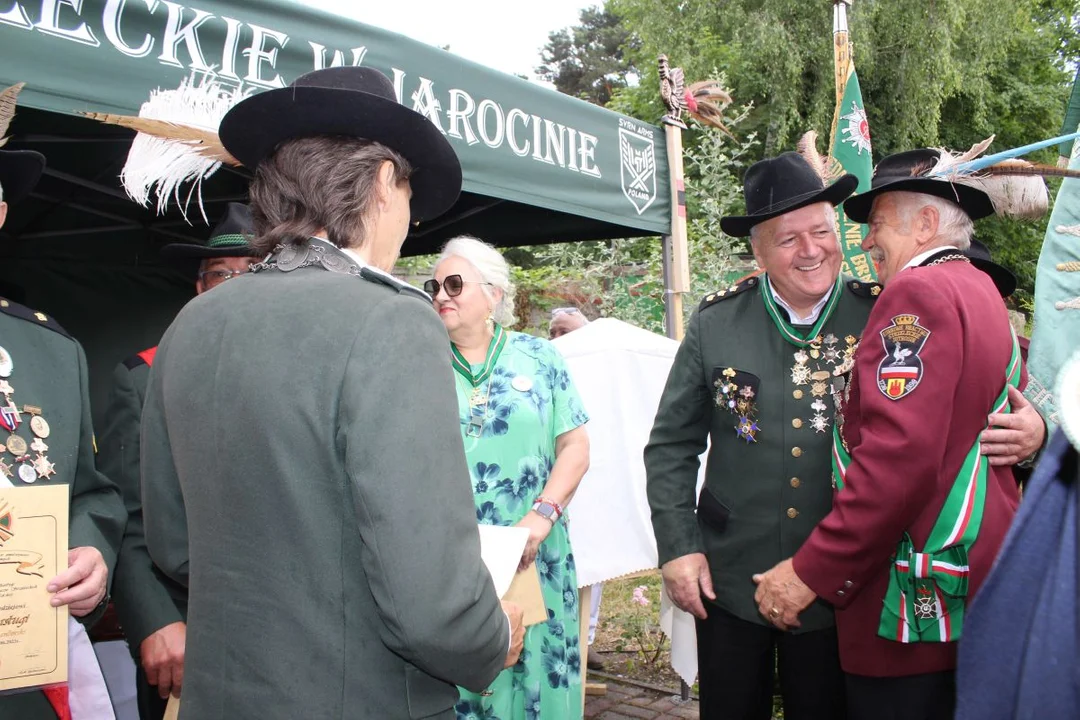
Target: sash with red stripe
(928, 589)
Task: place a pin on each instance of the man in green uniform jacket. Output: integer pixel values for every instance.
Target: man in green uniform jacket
(755, 375)
(48, 438)
(303, 473)
(151, 608)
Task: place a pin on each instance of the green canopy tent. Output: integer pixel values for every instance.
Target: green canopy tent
(539, 167)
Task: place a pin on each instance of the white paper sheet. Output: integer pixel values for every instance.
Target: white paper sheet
(501, 549)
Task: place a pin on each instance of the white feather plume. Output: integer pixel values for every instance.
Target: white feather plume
(1015, 187)
(163, 165)
(1018, 196)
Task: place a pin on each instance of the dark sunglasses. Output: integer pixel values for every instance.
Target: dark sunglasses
(452, 284)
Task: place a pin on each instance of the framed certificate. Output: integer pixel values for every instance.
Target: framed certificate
(33, 549)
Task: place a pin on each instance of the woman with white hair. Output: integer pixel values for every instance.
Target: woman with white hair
(522, 424)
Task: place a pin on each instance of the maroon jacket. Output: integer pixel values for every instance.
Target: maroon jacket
(906, 452)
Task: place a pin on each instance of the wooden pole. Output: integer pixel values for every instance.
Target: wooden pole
(584, 605)
(676, 261)
(841, 60)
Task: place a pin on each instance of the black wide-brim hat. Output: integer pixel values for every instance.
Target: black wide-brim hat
(229, 238)
(906, 171)
(1004, 280)
(779, 185)
(355, 102)
(20, 171)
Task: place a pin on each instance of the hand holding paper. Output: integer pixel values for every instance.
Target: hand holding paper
(82, 585)
(517, 631)
(501, 550)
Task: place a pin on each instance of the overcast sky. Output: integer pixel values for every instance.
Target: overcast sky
(503, 34)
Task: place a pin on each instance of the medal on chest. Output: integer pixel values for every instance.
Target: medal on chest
(478, 384)
(842, 379)
(29, 468)
(736, 393)
(815, 365)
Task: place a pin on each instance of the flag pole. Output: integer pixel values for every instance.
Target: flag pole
(676, 262)
(841, 60)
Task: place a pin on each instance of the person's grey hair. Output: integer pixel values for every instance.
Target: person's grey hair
(569, 311)
(493, 269)
(830, 215)
(954, 225)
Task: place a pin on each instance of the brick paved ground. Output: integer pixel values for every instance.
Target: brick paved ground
(626, 702)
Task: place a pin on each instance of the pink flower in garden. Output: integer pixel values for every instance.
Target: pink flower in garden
(639, 595)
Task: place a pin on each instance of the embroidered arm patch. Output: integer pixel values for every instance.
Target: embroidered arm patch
(901, 370)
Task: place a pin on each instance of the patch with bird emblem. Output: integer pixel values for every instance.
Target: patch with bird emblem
(901, 370)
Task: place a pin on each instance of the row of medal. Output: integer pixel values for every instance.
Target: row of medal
(823, 360)
(740, 403)
(29, 468)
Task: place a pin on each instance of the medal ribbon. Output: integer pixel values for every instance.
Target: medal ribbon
(927, 590)
(461, 365)
(787, 331)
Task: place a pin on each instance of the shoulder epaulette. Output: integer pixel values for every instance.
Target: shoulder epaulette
(146, 357)
(865, 289)
(730, 292)
(32, 316)
(390, 281)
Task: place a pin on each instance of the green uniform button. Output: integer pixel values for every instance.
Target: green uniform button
(796, 452)
(796, 423)
(792, 513)
(795, 482)
(797, 394)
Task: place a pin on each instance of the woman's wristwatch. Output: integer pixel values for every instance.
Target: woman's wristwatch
(547, 509)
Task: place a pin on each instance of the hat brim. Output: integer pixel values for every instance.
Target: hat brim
(192, 251)
(974, 202)
(20, 171)
(256, 126)
(838, 192)
(1003, 278)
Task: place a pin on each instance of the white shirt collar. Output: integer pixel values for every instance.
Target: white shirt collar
(921, 257)
(397, 282)
(796, 319)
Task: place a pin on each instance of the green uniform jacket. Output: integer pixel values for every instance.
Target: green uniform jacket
(303, 474)
(50, 373)
(146, 599)
(761, 499)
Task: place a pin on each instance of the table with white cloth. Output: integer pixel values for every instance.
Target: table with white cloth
(620, 371)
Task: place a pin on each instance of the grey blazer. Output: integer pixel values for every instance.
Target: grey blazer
(303, 474)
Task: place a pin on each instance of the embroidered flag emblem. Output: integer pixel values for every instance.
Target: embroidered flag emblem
(901, 370)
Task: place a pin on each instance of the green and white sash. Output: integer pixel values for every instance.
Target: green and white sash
(461, 365)
(478, 399)
(787, 331)
(928, 589)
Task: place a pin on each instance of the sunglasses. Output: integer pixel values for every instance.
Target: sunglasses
(452, 284)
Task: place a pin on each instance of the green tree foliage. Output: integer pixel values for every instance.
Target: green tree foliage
(933, 72)
(589, 61)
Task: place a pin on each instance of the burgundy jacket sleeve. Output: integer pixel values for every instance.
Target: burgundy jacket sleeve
(897, 457)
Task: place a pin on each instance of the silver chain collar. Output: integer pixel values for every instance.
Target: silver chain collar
(315, 251)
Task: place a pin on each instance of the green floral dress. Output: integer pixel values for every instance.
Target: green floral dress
(531, 401)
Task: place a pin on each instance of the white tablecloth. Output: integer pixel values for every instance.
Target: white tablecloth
(620, 371)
